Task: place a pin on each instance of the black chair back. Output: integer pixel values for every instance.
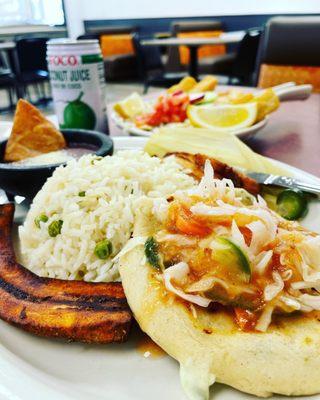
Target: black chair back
(246, 58)
(291, 41)
(149, 57)
(31, 53)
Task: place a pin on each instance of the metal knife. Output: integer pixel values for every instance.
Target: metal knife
(285, 181)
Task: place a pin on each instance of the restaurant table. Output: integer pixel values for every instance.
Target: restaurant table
(193, 45)
(292, 134)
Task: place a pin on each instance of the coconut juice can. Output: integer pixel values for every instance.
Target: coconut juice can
(78, 83)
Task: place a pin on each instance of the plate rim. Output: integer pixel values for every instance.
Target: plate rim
(132, 130)
(20, 380)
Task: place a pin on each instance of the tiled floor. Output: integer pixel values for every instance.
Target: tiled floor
(114, 92)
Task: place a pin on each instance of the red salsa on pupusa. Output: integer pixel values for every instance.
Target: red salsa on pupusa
(220, 245)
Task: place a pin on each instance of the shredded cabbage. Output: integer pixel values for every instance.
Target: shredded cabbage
(290, 302)
(237, 236)
(228, 214)
(206, 283)
(181, 240)
(179, 272)
(262, 261)
(310, 301)
(265, 319)
(272, 290)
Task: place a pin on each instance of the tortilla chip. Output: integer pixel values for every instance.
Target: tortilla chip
(32, 134)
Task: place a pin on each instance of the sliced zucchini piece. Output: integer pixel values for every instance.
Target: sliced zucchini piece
(230, 255)
(291, 204)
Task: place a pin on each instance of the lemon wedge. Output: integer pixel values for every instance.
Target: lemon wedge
(130, 106)
(224, 117)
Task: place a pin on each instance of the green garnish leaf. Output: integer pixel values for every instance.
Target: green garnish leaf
(152, 253)
(82, 194)
(103, 249)
(54, 229)
(40, 218)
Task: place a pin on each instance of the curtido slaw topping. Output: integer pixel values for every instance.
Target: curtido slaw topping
(219, 244)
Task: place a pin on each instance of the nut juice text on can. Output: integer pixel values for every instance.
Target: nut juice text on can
(78, 83)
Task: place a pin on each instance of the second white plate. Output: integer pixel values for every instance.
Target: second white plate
(131, 129)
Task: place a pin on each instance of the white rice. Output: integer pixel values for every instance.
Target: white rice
(113, 187)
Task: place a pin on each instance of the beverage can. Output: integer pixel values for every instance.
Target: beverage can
(77, 80)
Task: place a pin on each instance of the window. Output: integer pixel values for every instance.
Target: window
(18, 12)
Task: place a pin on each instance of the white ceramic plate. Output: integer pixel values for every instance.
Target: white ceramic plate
(33, 368)
(131, 129)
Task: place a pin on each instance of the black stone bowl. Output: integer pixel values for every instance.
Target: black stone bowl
(26, 181)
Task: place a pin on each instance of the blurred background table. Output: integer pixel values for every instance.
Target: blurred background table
(292, 134)
(193, 45)
(223, 38)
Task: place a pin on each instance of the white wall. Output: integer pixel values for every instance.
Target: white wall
(79, 10)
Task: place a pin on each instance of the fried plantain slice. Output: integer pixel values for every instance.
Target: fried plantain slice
(73, 310)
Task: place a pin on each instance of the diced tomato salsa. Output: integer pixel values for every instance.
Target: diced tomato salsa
(169, 108)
